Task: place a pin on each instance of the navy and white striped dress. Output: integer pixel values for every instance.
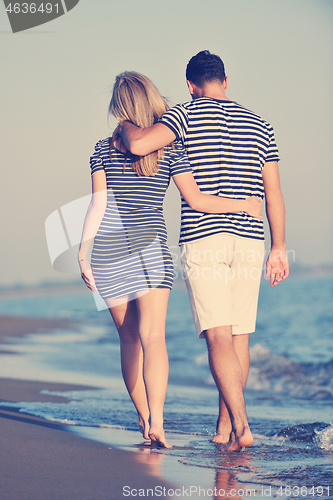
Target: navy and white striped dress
(130, 252)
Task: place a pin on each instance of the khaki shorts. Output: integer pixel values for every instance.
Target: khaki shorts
(222, 275)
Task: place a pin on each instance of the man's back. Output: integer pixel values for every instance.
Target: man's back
(227, 146)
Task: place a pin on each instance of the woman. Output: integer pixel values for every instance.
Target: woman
(131, 264)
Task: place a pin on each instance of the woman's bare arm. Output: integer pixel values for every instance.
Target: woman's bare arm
(92, 222)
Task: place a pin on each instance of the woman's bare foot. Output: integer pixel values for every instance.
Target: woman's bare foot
(158, 438)
(238, 441)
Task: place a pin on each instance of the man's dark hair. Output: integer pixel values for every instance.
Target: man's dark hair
(205, 67)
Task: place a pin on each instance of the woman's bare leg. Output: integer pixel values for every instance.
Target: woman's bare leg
(125, 316)
(152, 309)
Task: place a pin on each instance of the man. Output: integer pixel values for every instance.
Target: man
(232, 152)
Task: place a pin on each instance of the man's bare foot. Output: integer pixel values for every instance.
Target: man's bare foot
(219, 438)
(239, 441)
(144, 428)
(223, 430)
(158, 438)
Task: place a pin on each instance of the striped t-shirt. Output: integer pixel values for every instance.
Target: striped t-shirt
(227, 146)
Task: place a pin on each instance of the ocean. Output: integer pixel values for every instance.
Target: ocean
(289, 393)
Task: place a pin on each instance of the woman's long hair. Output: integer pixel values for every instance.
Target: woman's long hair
(136, 99)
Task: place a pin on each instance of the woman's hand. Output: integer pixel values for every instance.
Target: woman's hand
(87, 275)
(253, 207)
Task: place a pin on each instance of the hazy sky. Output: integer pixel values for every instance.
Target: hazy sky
(56, 81)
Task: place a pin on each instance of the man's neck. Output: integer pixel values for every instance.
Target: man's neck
(214, 90)
(216, 95)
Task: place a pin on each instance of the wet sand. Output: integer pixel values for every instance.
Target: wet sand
(41, 460)
(16, 326)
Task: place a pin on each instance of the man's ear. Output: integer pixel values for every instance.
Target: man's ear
(225, 83)
(190, 87)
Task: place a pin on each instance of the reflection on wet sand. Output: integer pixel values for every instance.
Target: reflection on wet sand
(147, 456)
(229, 464)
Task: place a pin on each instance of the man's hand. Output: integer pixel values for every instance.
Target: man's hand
(277, 266)
(253, 207)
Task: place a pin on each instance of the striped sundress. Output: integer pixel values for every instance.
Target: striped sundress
(130, 252)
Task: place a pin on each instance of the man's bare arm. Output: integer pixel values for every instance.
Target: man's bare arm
(141, 141)
(277, 267)
(212, 204)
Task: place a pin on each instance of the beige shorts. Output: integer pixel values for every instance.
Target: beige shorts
(222, 274)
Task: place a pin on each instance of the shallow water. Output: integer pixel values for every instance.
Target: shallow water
(289, 392)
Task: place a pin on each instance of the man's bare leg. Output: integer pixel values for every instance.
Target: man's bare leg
(223, 426)
(227, 373)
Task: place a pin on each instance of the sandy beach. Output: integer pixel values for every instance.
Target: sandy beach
(41, 460)
(70, 431)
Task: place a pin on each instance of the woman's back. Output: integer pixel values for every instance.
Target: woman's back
(131, 191)
(130, 250)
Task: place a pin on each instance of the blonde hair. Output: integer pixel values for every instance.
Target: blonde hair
(136, 99)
